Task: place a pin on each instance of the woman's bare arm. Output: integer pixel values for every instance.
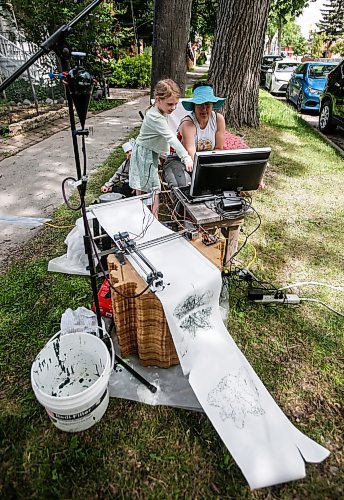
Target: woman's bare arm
(188, 132)
(220, 133)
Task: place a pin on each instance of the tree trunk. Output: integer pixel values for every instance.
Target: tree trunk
(279, 36)
(269, 45)
(170, 37)
(236, 58)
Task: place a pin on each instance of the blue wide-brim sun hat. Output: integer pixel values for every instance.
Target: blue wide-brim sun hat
(202, 95)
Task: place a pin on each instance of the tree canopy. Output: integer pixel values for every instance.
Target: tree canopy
(39, 19)
(138, 15)
(316, 44)
(280, 13)
(292, 37)
(338, 47)
(332, 22)
(203, 18)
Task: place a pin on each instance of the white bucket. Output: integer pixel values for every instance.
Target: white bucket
(104, 198)
(70, 379)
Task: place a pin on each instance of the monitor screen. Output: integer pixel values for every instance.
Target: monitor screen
(228, 170)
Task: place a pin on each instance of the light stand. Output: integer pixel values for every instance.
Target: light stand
(79, 85)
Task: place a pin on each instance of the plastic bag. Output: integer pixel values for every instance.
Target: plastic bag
(75, 261)
(80, 320)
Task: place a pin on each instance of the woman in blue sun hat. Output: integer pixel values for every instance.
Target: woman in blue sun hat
(202, 130)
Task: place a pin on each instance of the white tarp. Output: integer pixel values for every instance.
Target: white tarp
(75, 261)
(266, 446)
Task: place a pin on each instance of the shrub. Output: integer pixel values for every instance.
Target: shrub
(21, 89)
(104, 104)
(132, 72)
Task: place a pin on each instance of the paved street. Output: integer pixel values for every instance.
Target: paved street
(336, 139)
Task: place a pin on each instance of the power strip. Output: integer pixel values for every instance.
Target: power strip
(289, 298)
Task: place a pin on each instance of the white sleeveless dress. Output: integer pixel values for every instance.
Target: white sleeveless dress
(205, 139)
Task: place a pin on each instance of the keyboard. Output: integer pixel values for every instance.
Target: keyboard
(185, 191)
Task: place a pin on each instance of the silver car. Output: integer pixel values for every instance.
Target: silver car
(278, 76)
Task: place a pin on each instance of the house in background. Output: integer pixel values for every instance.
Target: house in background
(287, 52)
(15, 51)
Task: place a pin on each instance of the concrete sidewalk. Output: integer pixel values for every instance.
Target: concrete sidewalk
(31, 178)
(10, 146)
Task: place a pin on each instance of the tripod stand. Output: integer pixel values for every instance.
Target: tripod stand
(79, 85)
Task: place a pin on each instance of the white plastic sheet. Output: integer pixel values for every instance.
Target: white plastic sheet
(266, 446)
(78, 320)
(173, 388)
(75, 260)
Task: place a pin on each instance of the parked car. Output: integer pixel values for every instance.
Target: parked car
(332, 100)
(278, 76)
(267, 62)
(307, 83)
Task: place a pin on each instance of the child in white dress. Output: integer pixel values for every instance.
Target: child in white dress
(155, 138)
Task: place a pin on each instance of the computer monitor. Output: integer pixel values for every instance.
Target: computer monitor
(228, 170)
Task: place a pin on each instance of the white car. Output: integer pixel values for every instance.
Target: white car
(278, 76)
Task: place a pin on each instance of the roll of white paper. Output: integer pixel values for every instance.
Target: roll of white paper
(268, 449)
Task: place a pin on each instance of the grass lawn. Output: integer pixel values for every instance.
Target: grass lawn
(139, 451)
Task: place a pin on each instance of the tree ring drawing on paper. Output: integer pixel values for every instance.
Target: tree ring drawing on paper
(194, 314)
(237, 396)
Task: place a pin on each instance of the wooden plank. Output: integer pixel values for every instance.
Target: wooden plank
(204, 213)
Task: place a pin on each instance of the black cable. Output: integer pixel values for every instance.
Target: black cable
(246, 236)
(235, 289)
(88, 229)
(151, 218)
(232, 214)
(75, 209)
(150, 221)
(82, 187)
(149, 171)
(251, 278)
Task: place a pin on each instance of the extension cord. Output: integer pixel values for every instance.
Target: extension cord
(289, 298)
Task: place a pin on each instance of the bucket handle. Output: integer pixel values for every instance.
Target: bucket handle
(106, 336)
(113, 354)
(54, 337)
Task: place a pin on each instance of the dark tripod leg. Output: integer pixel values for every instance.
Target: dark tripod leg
(88, 247)
(139, 377)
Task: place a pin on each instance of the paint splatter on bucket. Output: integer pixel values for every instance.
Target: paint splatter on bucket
(70, 379)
